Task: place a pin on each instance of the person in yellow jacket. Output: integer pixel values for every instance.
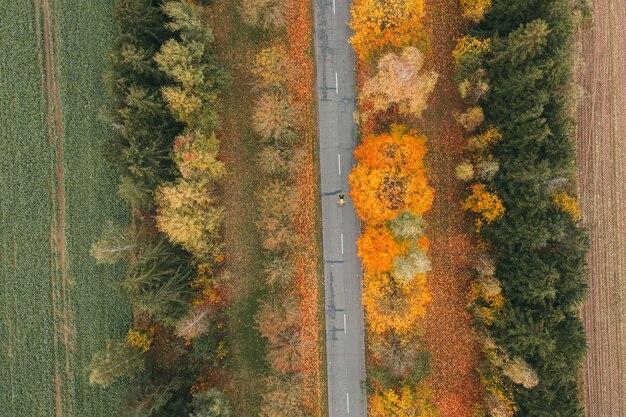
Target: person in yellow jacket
(342, 198)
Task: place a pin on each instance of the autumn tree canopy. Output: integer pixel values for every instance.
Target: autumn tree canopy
(379, 24)
(190, 63)
(378, 248)
(390, 176)
(392, 305)
(408, 402)
(187, 212)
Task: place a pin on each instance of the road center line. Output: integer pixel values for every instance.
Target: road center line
(345, 326)
(348, 402)
(336, 84)
(339, 163)
(333, 6)
(342, 243)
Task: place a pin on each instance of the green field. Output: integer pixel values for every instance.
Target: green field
(54, 315)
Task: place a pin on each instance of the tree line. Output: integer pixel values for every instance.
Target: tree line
(391, 193)
(516, 67)
(165, 84)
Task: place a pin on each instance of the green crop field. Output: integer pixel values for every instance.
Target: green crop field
(57, 306)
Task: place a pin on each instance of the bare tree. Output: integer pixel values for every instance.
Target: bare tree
(117, 360)
(272, 117)
(407, 266)
(490, 286)
(211, 403)
(279, 271)
(280, 325)
(195, 323)
(485, 265)
(273, 162)
(521, 373)
(399, 80)
(266, 14)
(395, 352)
(116, 243)
(274, 218)
(284, 397)
(496, 406)
(407, 225)
(486, 170)
(464, 171)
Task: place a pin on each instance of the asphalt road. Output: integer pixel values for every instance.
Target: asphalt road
(342, 269)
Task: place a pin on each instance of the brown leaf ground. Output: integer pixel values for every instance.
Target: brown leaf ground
(449, 336)
(301, 86)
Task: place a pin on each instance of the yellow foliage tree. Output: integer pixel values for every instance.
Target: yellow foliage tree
(568, 204)
(392, 305)
(379, 24)
(183, 103)
(500, 398)
(139, 339)
(481, 292)
(270, 68)
(475, 10)
(195, 155)
(190, 217)
(469, 46)
(488, 138)
(404, 402)
(487, 205)
(186, 210)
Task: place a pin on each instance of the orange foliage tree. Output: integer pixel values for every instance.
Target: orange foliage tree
(379, 24)
(378, 248)
(390, 176)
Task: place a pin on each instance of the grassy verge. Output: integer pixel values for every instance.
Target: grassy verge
(238, 45)
(234, 43)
